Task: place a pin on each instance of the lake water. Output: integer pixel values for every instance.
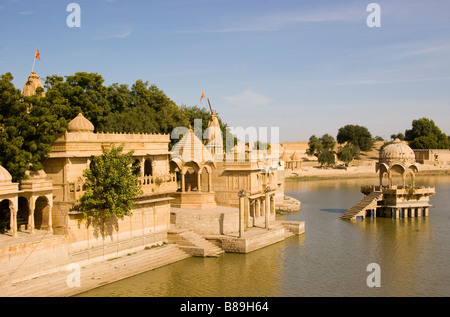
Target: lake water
(330, 259)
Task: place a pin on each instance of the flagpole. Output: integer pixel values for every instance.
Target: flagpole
(32, 69)
(33, 64)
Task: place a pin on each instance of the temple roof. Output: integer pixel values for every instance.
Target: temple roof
(296, 156)
(191, 149)
(32, 83)
(213, 132)
(80, 124)
(397, 151)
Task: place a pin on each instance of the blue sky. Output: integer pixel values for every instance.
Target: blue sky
(307, 67)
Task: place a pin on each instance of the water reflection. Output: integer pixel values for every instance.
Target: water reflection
(330, 259)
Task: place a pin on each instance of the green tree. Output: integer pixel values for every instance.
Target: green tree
(82, 92)
(326, 158)
(424, 134)
(323, 149)
(356, 135)
(111, 185)
(27, 129)
(348, 153)
(399, 136)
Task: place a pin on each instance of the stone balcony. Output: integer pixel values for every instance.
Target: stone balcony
(150, 185)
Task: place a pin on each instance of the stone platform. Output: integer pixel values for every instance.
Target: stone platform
(220, 226)
(256, 238)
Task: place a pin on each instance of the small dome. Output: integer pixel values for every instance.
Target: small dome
(5, 177)
(80, 124)
(397, 151)
(36, 174)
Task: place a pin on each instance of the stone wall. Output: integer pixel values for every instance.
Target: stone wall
(147, 225)
(207, 222)
(30, 257)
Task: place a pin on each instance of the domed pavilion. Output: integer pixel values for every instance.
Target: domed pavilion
(397, 159)
(397, 194)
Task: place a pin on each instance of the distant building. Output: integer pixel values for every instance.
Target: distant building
(432, 156)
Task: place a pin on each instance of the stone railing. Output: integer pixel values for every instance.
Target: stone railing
(149, 185)
(158, 184)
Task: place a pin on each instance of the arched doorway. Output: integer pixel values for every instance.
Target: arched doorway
(397, 175)
(5, 215)
(148, 169)
(175, 169)
(23, 213)
(41, 213)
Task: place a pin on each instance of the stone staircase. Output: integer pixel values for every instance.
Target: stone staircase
(97, 274)
(192, 243)
(360, 209)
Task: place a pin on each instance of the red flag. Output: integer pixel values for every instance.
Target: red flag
(203, 96)
(37, 55)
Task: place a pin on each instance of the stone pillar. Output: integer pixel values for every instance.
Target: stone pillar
(13, 217)
(413, 212)
(199, 182)
(263, 208)
(31, 204)
(258, 208)
(183, 184)
(142, 163)
(405, 212)
(418, 212)
(254, 211)
(425, 211)
(247, 218)
(210, 181)
(396, 212)
(267, 210)
(50, 207)
(241, 212)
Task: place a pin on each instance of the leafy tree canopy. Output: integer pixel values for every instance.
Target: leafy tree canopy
(399, 136)
(356, 135)
(111, 185)
(424, 134)
(322, 148)
(27, 128)
(348, 153)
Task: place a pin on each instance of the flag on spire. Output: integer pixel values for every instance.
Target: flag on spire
(37, 54)
(203, 96)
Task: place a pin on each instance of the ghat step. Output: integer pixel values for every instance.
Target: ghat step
(97, 274)
(368, 202)
(192, 243)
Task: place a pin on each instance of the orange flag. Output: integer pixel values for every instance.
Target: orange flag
(37, 55)
(203, 96)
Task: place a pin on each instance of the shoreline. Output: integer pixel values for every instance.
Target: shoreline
(313, 173)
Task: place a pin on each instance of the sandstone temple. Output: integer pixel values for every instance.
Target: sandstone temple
(194, 195)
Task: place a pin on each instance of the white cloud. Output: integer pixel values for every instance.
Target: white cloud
(115, 33)
(280, 20)
(248, 98)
